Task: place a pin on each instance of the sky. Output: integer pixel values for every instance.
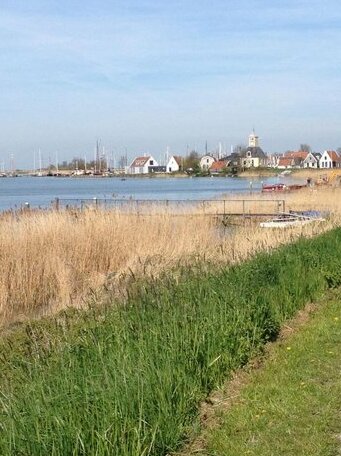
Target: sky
(142, 75)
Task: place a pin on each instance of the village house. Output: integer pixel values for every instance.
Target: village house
(254, 157)
(218, 167)
(285, 163)
(273, 160)
(143, 165)
(299, 156)
(312, 160)
(206, 162)
(330, 159)
(174, 164)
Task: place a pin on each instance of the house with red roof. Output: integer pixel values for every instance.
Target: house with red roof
(218, 167)
(330, 159)
(286, 163)
(298, 156)
(142, 165)
(301, 154)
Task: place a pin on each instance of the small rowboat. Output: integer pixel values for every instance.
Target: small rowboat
(274, 188)
(290, 220)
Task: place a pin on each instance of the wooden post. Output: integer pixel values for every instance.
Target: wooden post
(57, 204)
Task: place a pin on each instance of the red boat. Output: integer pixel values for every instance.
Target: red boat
(274, 188)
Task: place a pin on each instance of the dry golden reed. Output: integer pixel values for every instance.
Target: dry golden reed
(52, 260)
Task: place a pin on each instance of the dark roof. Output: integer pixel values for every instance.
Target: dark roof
(256, 152)
(232, 157)
(316, 156)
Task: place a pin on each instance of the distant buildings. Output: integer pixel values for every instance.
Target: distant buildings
(254, 157)
(174, 164)
(241, 158)
(330, 159)
(219, 167)
(206, 162)
(147, 164)
(303, 159)
(142, 165)
(312, 160)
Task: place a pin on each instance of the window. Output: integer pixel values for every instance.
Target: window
(151, 162)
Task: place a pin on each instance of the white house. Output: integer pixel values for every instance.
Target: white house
(312, 160)
(174, 164)
(330, 159)
(206, 162)
(142, 165)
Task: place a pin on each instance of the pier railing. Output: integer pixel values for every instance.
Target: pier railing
(223, 207)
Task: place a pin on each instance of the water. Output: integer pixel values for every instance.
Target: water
(41, 191)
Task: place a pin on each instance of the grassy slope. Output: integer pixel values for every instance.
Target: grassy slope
(128, 380)
(291, 406)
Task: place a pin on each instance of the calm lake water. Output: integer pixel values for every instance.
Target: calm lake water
(41, 191)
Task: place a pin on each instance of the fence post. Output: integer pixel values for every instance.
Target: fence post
(57, 204)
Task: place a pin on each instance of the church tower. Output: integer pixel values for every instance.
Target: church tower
(253, 140)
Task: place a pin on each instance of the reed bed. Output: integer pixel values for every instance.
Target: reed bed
(53, 260)
(127, 380)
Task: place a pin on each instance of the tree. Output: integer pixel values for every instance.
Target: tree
(192, 161)
(240, 149)
(122, 162)
(305, 148)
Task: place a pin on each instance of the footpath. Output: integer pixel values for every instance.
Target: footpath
(288, 405)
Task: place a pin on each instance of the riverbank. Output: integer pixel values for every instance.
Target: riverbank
(129, 379)
(299, 173)
(57, 260)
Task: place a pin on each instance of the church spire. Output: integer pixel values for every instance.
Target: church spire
(253, 139)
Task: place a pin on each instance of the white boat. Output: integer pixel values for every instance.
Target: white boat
(290, 220)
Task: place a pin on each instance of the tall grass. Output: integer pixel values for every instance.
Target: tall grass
(50, 261)
(127, 380)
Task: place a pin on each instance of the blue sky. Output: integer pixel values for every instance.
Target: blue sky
(144, 75)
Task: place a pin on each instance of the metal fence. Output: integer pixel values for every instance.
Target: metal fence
(224, 207)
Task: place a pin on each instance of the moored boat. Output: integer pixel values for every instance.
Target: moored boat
(291, 219)
(274, 188)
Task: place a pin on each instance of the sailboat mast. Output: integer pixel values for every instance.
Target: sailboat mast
(39, 161)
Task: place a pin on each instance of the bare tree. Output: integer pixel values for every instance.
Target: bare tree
(305, 148)
(240, 149)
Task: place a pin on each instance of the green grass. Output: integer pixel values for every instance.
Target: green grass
(127, 380)
(292, 405)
